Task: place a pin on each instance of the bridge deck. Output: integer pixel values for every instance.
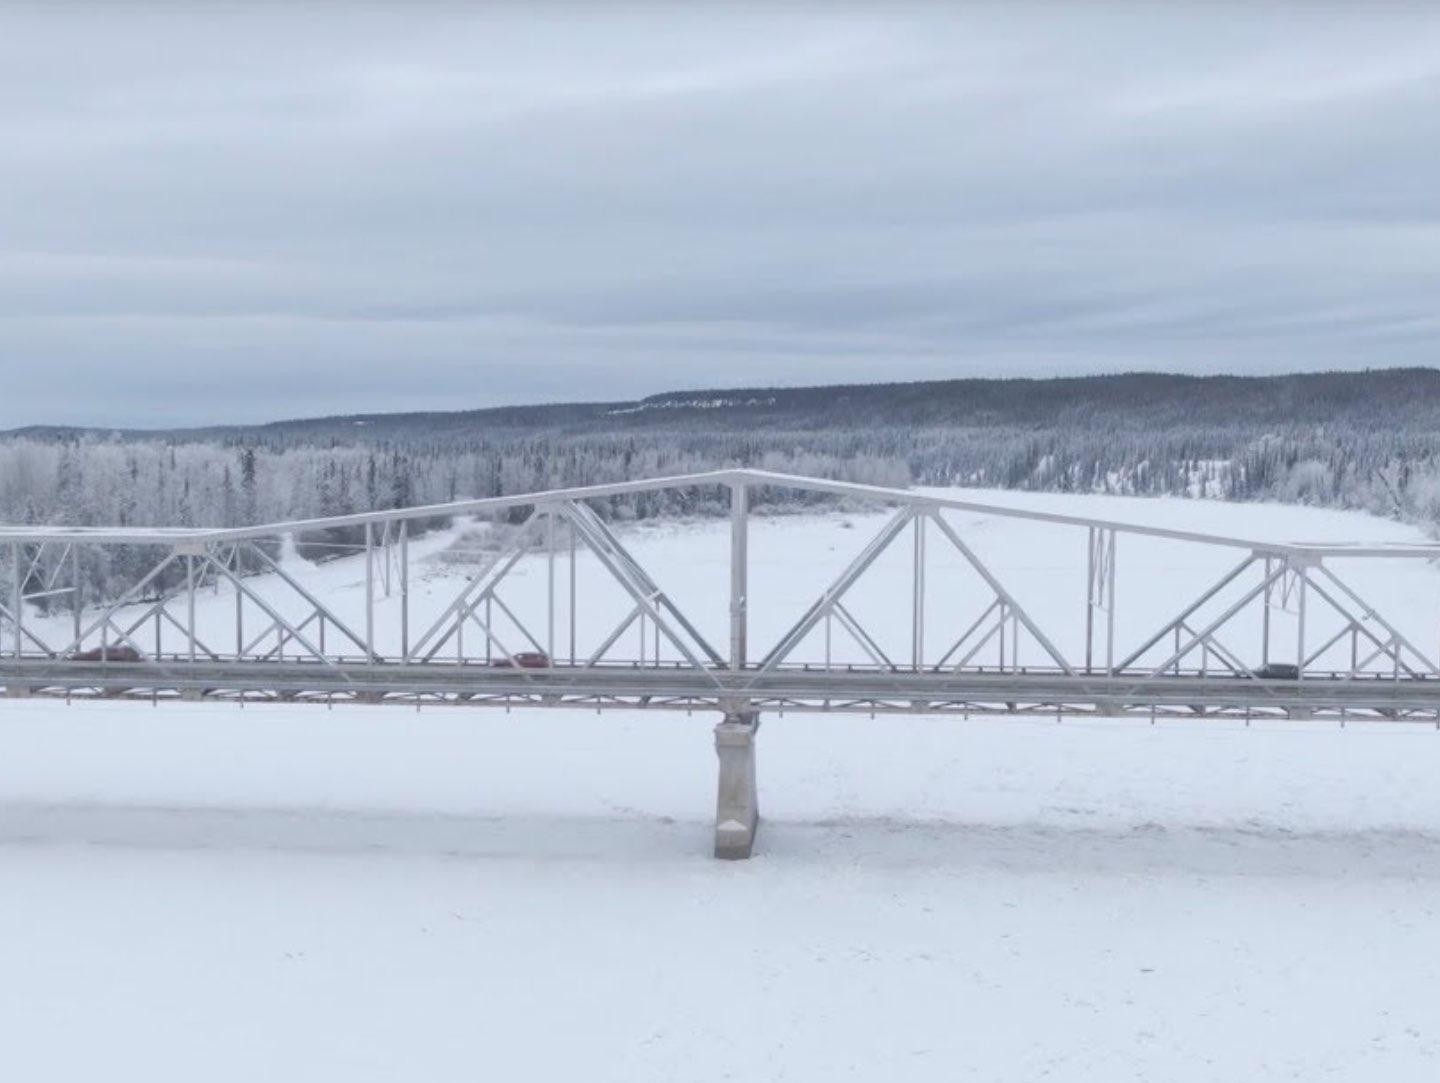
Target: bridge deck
(862, 690)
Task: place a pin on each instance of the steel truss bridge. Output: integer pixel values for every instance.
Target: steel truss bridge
(1310, 647)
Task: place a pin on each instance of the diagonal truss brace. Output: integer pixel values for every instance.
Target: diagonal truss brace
(106, 619)
(1206, 635)
(1393, 648)
(479, 589)
(15, 612)
(825, 605)
(22, 631)
(270, 611)
(1294, 580)
(1190, 610)
(649, 600)
(1012, 608)
(1004, 622)
(320, 610)
(830, 603)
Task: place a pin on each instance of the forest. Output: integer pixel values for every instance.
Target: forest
(1367, 440)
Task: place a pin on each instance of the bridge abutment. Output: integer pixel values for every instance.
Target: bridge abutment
(737, 806)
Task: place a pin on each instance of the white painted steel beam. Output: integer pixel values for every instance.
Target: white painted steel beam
(745, 477)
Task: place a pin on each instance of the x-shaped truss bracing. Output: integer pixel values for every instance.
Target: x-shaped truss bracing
(480, 598)
(25, 569)
(1286, 585)
(1000, 622)
(119, 622)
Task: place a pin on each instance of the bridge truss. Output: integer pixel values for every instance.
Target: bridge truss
(1284, 632)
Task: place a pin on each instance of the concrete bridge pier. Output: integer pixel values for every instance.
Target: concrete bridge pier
(737, 807)
(15, 690)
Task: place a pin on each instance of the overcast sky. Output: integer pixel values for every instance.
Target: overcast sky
(310, 209)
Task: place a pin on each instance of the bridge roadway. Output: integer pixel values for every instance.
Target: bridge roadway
(852, 689)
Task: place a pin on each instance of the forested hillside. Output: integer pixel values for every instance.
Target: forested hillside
(1364, 439)
(1367, 440)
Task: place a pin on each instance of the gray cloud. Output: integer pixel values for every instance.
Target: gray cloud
(246, 213)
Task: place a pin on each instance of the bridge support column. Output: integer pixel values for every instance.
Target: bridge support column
(737, 807)
(15, 690)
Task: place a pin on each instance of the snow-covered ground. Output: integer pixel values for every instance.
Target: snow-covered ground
(201, 891)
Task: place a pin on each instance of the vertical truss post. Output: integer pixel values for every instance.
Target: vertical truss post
(404, 591)
(387, 548)
(550, 585)
(1004, 616)
(1110, 603)
(573, 591)
(739, 572)
(13, 689)
(239, 616)
(917, 601)
(1300, 629)
(190, 605)
(369, 594)
(77, 585)
(1265, 618)
(1100, 594)
(17, 600)
(1090, 599)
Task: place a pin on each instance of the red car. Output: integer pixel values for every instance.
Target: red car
(121, 653)
(524, 660)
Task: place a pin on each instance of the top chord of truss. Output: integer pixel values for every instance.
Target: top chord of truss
(730, 478)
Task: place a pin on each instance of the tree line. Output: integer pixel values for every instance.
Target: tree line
(1370, 441)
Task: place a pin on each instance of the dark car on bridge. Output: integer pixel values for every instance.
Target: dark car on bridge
(121, 653)
(1277, 671)
(524, 660)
